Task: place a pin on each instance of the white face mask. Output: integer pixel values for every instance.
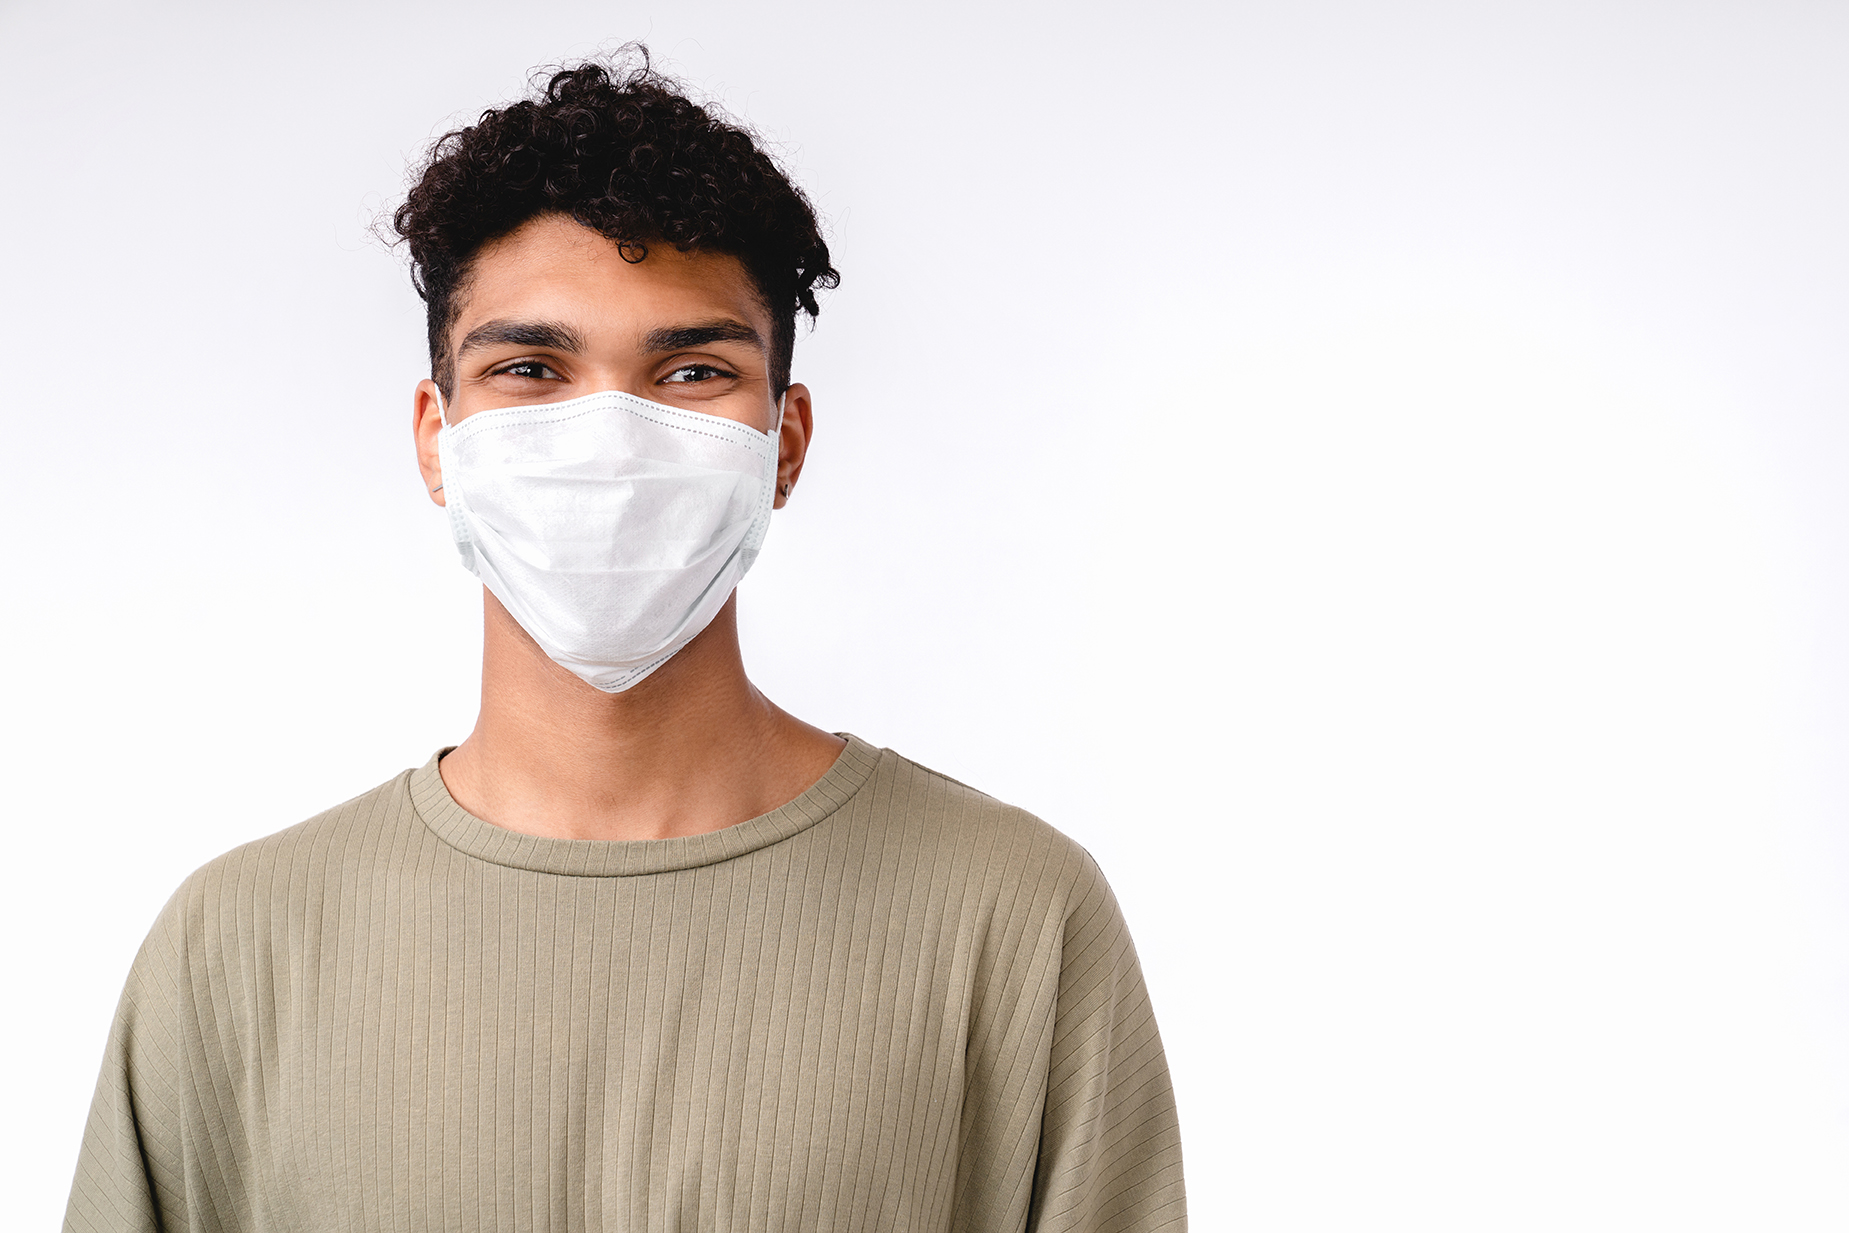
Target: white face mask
(611, 527)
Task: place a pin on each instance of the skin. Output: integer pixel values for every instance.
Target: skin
(553, 312)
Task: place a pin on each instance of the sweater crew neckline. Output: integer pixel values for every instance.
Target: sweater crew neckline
(621, 858)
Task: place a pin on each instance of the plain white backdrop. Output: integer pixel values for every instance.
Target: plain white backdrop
(1370, 472)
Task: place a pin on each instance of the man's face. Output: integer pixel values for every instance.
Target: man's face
(553, 311)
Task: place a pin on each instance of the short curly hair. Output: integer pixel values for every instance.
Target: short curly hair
(620, 148)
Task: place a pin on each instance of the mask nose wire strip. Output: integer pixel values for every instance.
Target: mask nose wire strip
(776, 433)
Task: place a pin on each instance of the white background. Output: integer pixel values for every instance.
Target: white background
(1369, 472)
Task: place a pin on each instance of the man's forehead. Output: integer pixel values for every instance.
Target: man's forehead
(557, 273)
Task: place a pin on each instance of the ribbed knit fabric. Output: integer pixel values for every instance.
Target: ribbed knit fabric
(892, 1004)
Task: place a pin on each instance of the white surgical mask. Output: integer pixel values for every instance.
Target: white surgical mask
(612, 528)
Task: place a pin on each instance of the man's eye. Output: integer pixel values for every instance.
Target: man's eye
(695, 372)
(532, 369)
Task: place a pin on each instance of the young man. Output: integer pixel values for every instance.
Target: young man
(644, 951)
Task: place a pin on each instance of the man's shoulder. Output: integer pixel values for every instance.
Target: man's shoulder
(295, 861)
(1003, 844)
(238, 915)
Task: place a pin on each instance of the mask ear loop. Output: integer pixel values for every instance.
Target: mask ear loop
(776, 447)
(442, 418)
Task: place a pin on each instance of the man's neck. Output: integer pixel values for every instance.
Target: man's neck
(692, 748)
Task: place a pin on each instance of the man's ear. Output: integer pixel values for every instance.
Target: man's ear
(798, 430)
(426, 420)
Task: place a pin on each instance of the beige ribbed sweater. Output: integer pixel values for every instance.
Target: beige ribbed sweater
(892, 1004)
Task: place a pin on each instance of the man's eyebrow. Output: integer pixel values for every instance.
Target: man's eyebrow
(548, 334)
(687, 337)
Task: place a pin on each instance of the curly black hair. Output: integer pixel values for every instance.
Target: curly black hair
(620, 148)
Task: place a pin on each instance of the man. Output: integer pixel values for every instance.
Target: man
(644, 951)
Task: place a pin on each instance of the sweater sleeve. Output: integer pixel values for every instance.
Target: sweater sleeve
(152, 1157)
(1110, 1144)
(115, 1187)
